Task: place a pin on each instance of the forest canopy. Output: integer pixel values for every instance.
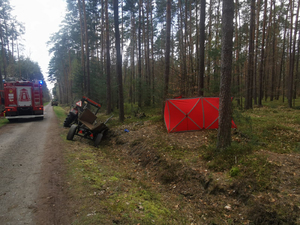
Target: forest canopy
(265, 63)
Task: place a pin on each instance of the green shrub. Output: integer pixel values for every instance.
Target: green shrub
(234, 171)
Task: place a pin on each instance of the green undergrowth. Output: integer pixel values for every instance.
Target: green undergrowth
(109, 194)
(225, 160)
(277, 128)
(274, 127)
(112, 188)
(257, 169)
(133, 114)
(60, 113)
(3, 121)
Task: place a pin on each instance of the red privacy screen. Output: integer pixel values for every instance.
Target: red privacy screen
(192, 114)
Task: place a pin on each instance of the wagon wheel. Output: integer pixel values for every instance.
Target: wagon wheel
(71, 132)
(98, 139)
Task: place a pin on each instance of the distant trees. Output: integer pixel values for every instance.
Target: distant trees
(12, 63)
(265, 61)
(10, 32)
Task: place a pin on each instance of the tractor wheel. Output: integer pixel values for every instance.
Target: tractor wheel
(71, 132)
(98, 139)
(70, 118)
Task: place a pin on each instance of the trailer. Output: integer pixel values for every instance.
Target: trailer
(78, 108)
(22, 100)
(88, 127)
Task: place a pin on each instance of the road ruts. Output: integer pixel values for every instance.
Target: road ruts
(22, 147)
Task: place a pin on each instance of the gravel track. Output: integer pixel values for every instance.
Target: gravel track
(26, 174)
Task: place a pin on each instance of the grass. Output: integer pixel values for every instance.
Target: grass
(60, 113)
(3, 121)
(258, 170)
(104, 186)
(114, 189)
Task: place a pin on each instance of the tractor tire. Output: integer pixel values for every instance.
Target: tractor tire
(98, 139)
(70, 119)
(72, 132)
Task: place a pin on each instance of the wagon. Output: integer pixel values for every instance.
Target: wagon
(88, 127)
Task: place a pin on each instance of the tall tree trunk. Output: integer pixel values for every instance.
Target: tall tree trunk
(108, 76)
(139, 87)
(147, 58)
(3, 53)
(282, 61)
(202, 49)
(237, 53)
(256, 53)
(193, 73)
(185, 48)
(103, 37)
(292, 55)
(249, 79)
(119, 61)
(132, 57)
(224, 131)
(268, 62)
(87, 51)
(217, 46)
(273, 53)
(152, 55)
(209, 45)
(182, 49)
(167, 53)
(262, 64)
(297, 76)
(82, 48)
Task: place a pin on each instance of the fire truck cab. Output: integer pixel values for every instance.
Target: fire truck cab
(22, 99)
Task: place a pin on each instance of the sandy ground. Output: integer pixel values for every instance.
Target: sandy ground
(31, 190)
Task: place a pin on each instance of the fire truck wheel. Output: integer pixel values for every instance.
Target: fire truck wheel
(71, 132)
(98, 139)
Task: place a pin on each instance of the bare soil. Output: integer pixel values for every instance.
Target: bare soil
(52, 202)
(32, 172)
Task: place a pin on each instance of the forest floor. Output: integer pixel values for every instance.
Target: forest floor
(147, 176)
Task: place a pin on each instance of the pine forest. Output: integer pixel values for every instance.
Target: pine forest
(265, 62)
(154, 67)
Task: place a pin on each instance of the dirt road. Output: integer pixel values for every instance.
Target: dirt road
(31, 189)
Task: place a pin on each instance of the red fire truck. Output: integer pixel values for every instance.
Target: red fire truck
(22, 99)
